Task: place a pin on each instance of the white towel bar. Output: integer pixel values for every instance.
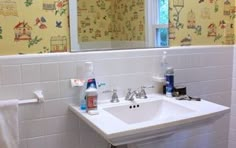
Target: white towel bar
(39, 98)
(28, 101)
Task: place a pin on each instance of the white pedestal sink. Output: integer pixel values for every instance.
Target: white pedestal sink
(128, 122)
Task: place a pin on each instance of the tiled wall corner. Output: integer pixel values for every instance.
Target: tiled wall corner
(232, 132)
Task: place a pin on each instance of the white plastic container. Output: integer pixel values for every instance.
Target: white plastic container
(91, 98)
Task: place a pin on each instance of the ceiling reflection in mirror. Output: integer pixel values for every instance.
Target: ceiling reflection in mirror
(119, 24)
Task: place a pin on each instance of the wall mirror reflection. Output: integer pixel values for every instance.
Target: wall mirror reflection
(118, 24)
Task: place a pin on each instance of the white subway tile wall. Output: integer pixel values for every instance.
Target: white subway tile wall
(30, 73)
(10, 74)
(232, 131)
(49, 72)
(206, 71)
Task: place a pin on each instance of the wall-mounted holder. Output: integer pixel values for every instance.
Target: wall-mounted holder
(39, 98)
(160, 82)
(158, 79)
(39, 95)
(77, 83)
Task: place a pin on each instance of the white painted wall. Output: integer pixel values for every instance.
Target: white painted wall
(232, 132)
(206, 71)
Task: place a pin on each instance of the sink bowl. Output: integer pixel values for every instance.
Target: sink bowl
(129, 122)
(153, 110)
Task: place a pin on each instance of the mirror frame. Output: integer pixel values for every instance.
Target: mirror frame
(74, 45)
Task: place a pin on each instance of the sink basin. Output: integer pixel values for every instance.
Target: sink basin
(153, 110)
(129, 122)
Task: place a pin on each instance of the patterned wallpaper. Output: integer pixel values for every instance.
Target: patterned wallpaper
(129, 20)
(33, 26)
(202, 22)
(106, 20)
(41, 26)
(94, 17)
(198, 22)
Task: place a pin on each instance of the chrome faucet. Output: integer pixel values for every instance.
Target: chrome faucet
(137, 94)
(143, 93)
(114, 97)
(132, 95)
(127, 96)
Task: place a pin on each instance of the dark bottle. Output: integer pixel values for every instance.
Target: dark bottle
(169, 81)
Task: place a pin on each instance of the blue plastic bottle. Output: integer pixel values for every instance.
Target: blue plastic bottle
(82, 97)
(83, 104)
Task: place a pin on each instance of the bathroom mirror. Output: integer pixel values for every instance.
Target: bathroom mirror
(118, 24)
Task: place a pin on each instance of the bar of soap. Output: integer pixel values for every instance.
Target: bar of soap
(93, 112)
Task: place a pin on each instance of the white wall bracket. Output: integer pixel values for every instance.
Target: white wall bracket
(39, 95)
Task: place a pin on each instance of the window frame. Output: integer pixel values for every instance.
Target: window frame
(152, 20)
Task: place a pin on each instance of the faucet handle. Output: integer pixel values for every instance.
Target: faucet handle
(143, 87)
(143, 93)
(128, 94)
(114, 97)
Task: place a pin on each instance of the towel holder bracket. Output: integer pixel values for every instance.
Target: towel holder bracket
(39, 98)
(39, 95)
